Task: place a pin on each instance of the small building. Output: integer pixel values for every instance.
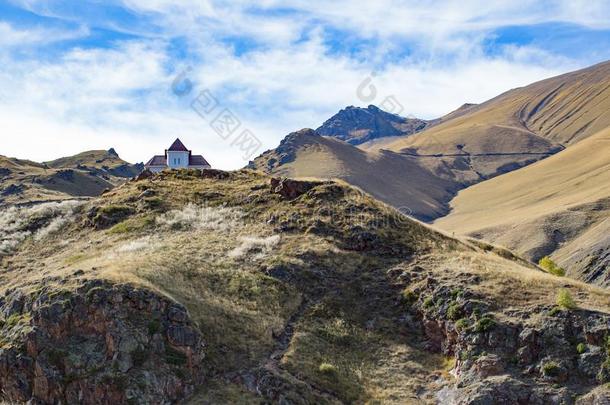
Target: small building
(177, 157)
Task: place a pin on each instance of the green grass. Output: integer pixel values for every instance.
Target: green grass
(581, 348)
(132, 225)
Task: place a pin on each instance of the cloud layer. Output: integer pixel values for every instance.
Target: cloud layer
(100, 75)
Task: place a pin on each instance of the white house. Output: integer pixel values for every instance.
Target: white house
(177, 157)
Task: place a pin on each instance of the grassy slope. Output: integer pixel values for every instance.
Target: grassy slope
(333, 304)
(557, 205)
(86, 174)
(394, 179)
(534, 119)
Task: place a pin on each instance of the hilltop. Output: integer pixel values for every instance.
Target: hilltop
(356, 125)
(390, 177)
(84, 175)
(240, 288)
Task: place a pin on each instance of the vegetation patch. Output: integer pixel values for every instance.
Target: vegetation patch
(551, 369)
(132, 225)
(551, 267)
(565, 300)
(484, 324)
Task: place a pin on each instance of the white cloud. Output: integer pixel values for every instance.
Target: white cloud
(13, 37)
(119, 96)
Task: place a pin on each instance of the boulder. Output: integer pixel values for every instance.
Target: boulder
(291, 189)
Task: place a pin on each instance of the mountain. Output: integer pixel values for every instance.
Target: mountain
(470, 145)
(559, 207)
(217, 287)
(356, 125)
(520, 126)
(390, 177)
(84, 175)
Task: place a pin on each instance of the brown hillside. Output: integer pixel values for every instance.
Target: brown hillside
(558, 206)
(528, 123)
(390, 177)
(84, 175)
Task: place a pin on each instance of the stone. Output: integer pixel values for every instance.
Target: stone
(291, 189)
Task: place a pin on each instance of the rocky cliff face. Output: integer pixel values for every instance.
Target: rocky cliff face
(357, 125)
(102, 343)
(534, 355)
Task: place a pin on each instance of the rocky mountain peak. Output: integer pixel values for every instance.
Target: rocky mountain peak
(357, 125)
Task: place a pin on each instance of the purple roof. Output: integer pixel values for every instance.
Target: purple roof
(178, 146)
(198, 160)
(194, 160)
(158, 160)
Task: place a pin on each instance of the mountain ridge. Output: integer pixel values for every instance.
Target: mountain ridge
(86, 174)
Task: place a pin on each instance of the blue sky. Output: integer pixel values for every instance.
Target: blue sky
(77, 75)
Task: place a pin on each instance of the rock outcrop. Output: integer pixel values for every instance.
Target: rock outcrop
(528, 356)
(100, 343)
(356, 125)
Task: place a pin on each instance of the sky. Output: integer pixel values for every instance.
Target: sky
(232, 78)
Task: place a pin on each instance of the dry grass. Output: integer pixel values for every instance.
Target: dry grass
(349, 319)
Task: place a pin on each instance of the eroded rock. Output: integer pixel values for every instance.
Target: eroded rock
(103, 343)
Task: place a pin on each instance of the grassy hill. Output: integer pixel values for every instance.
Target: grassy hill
(390, 177)
(559, 207)
(236, 288)
(83, 175)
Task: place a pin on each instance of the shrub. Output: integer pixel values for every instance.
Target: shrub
(550, 369)
(409, 296)
(328, 370)
(565, 300)
(581, 348)
(603, 376)
(484, 324)
(554, 311)
(454, 311)
(18, 223)
(456, 293)
(551, 267)
(428, 302)
(461, 324)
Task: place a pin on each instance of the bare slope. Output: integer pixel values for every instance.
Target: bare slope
(86, 174)
(524, 124)
(390, 177)
(558, 206)
(236, 288)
